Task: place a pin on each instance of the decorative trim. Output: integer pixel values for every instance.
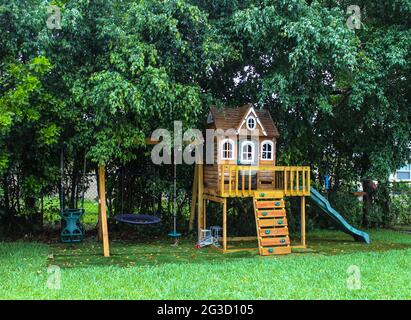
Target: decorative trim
(256, 118)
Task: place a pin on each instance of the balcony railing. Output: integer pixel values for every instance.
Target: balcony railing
(244, 181)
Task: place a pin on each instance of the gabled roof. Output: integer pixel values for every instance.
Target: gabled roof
(233, 118)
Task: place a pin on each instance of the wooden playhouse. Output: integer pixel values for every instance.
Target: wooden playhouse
(244, 152)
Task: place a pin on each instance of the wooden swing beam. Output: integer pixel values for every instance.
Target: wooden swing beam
(102, 213)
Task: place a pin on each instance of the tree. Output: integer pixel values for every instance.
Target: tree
(29, 130)
(121, 69)
(339, 96)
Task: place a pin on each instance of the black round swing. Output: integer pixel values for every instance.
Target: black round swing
(131, 218)
(137, 219)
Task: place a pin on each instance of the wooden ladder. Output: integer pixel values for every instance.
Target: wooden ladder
(271, 222)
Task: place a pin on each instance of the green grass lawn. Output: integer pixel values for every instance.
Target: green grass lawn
(159, 271)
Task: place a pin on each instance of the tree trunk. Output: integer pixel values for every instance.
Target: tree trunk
(368, 197)
(385, 203)
(36, 216)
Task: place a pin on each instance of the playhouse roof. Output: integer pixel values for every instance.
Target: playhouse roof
(232, 118)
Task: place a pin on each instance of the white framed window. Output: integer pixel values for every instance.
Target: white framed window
(404, 174)
(267, 150)
(247, 152)
(251, 123)
(227, 149)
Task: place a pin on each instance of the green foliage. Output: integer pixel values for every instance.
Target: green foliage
(348, 206)
(401, 209)
(29, 130)
(117, 70)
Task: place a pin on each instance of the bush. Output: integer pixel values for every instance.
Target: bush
(401, 209)
(375, 217)
(348, 206)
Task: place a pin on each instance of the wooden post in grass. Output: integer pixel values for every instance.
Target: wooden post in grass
(194, 199)
(103, 211)
(225, 225)
(205, 214)
(200, 200)
(100, 230)
(303, 243)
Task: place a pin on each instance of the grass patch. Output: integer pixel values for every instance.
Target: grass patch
(52, 211)
(157, 270)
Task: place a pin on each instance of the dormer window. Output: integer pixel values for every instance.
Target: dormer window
(251, 123)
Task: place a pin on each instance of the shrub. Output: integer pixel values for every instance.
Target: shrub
(401, 209)
(348, 206)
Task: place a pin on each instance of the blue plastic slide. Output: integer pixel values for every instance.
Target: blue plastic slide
(342, 224)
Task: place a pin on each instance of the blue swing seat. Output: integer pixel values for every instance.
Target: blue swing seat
(72, 229)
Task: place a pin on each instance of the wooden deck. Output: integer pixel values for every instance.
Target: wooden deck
(245, 181)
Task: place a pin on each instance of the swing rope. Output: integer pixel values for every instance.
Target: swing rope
(174, 234)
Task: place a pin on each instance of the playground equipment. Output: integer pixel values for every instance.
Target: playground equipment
(210, 237)
(72, 230)
(131, 218)
(174, 234)
(144, 219)
(246, 167)
(342, 224)
(137, 219)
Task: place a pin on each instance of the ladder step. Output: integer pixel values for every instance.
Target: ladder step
(268, 195)
(275, 250)
(270, 232)
(269, 204)
(272, 222)
(271, 213)
(277, 241)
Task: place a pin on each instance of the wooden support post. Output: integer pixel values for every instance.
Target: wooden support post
(100, 230)
(200, 199)
(225, 225)
(229, 180)
(204, 214)
(304, 187)
(222, 179)
(303, 242)
(103, 212)
(193, 199)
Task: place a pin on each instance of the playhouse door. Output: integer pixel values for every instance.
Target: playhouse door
(248, 156)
